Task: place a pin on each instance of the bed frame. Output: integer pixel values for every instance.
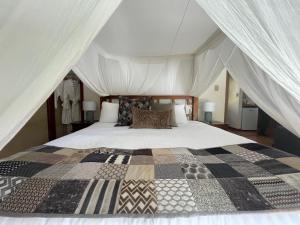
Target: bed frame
(190, 100)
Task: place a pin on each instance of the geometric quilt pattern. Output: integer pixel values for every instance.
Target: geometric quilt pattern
(27, 196)
(8, 185)
(103, 181)
(174, 196)
(100, 197)
(277, 192)
(137, 197)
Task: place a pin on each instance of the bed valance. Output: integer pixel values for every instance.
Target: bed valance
(114, 75)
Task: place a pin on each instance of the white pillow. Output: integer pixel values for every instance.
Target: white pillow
(180, 116)
(109, 112)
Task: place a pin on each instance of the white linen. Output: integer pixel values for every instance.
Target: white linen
(267, 31)
(193, 134)
(109, 112)
(179, 114)
(291, 217)
(112, 75)
(39, 42)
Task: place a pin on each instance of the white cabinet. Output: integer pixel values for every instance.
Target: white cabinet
(249, 118)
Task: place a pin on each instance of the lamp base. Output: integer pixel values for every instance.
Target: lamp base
(208, 117)
(89, 116)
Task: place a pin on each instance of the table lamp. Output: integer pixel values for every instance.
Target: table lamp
(89, 107)
(208, 108)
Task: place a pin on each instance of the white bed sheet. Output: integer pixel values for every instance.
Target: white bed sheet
(192, 135)
(195, 135)
(253, 218)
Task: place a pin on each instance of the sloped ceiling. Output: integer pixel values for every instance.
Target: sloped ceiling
(156, 28)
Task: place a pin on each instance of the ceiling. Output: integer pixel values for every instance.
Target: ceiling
(156, 28)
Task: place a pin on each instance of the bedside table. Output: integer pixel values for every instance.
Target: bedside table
(218, 124)
(80, 125)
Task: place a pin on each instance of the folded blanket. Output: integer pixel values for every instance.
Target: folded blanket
(51, 180)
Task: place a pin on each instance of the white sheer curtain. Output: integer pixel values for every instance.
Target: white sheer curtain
(39, 42)
(267, 31)
(112, 75)
(207, 65)
(264, 91)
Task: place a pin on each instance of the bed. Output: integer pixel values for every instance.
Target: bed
(191, 174)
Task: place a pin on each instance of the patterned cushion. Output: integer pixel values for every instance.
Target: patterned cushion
(164, 107)
(150, 119)
(125, 109)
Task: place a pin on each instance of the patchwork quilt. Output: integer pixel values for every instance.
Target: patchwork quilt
(51, 180)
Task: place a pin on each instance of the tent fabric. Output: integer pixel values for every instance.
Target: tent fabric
(40, 40)
(112, 75)
(156, 28)
(259, 86)
(267, 31)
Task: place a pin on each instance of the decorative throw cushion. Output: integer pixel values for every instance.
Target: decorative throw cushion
(109, 112)
(150, 119)
(125, 109)
(165, 107)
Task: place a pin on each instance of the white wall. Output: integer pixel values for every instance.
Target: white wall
(215, 93)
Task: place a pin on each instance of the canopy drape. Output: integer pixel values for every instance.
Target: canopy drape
(35, 58)
(267, 31)
(258, 85)
(266, 93)
(112, 75)
(207, 65)
(263, 56)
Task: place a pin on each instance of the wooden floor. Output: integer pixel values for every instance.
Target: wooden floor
(253, 136)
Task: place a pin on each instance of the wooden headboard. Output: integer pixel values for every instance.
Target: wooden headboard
(190, 100)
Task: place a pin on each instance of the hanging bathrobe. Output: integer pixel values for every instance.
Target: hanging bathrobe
(69, 93)
(58, 93)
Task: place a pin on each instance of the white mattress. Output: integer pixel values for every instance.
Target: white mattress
(195, 135)
(192, 135)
